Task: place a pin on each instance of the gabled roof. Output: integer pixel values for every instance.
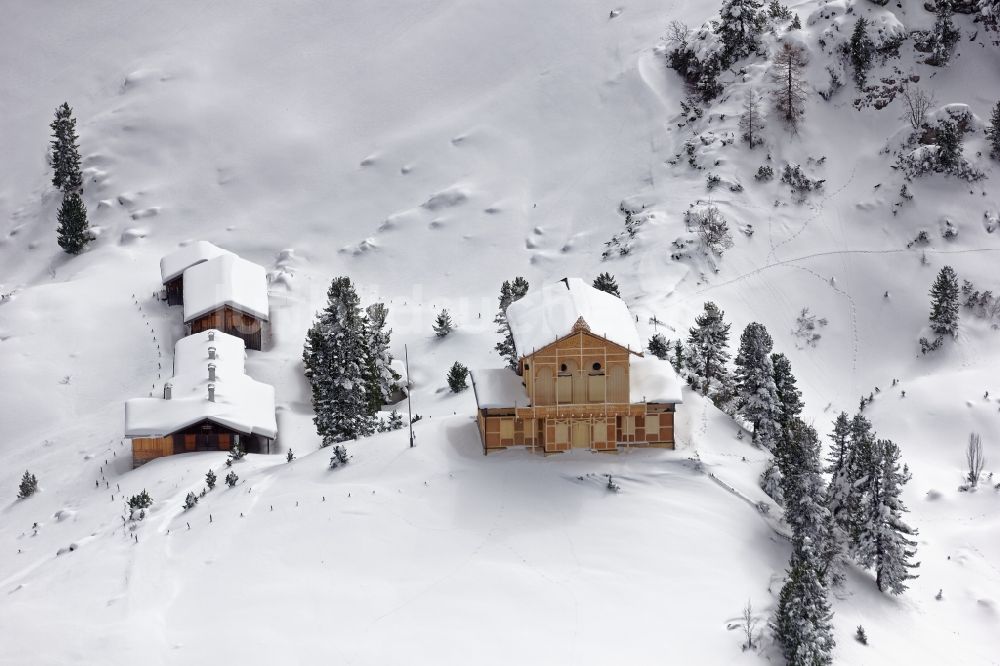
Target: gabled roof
(225, 280)
(175, 263)
(499, 387)
(550, 313)
(241, 403)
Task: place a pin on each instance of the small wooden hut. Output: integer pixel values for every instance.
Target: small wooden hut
(228, 294)
(209, 404)
(582, 381)
(173, 265)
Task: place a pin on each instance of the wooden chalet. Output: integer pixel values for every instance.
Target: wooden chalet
(582, 381)
(209, 404)
(173, 265)
(228, 294)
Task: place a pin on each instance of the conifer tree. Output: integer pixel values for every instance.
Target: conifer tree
(510, 291)
(752, 119)
(659, 346)
(756, 394)
(993, 132)
(73, 230)
(789, 395)
(442, 324)
(796, 23)
(210, 479)
(949, 142)
(861, 49)
(802, 623)
(678, 358)
(708, 352)
(395, 421)
(777, 10)
(944, 34)
(190, 501)
(740, 25)
(841, 499)
(64, 152)
(789, 92)
(606, 283)
(883, 540)
(334, 360)
(28, 486)
(380, 379)
(457, 376)
(231, 479)
(944, 303)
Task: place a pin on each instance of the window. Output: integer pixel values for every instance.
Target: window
(563, 368)
(652, 427)
(600, 433)
(562, 433)
(506, 428)
(596, 367)
(628, 426)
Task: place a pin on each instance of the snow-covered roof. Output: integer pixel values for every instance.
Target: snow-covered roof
(241, 403)
(547, 314)
(653, 380)
(499, 387)
(225, 280)
(177, 262)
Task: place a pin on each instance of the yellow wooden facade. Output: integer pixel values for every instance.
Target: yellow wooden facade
(578, 388)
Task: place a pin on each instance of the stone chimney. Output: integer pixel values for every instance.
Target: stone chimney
(211, 372)
(211, 352)
(167, 391)
(211, 335)
(211, 392)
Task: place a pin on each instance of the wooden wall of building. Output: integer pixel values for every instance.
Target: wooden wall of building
(231, 321)
(579, 369)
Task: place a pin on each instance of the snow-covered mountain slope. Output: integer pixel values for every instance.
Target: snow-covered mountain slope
(430, 150)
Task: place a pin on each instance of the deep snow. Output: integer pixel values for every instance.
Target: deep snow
(430, 150)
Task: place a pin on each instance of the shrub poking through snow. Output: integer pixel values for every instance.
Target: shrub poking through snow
(974, 459)
(993, 132)
(457, 377)
(140, 503)
(612, 485)
(764, 173)
(749, 626)
(659, 346)
(944, 35)
(606, 282)
(235, 453)
(339, 457)
(860, 635)
(28, 486)
(800, 183)
(231, 479)
(190, 501)
(712, 229)
(443, 324)
(290, 456)
(210, 479)
(621, 243)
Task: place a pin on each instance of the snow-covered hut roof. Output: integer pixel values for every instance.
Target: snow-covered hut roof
(241, 403)
(547, 314)
(499, 387)
(225, 280)
(177, 262)
(653, 380)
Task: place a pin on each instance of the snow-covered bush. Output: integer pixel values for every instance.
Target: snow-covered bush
(339, 457)
(808, 326)
(236, 453)
(697, 55)
(210, 479)
(711, 227)
(622, 242)
(231, 479)
(190, 501)
(140, 503)
(457, 376)
(801, 184)
(28, 486)
(764, 173)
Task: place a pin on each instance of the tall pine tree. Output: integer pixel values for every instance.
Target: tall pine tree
(884, 541)
(64, 153)
(512, 290)
(944, 34)
(334, 358)
(73, 231)
(380, 379)
(756, 394)
(944, 303)
(841, 499)
(708, 352)
(659, 346)
(861, 49)
(606, 283)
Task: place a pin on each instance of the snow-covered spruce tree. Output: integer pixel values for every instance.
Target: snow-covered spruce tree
(770, 482)
(443, 324)
(606, 282)
(778, 11)
(796, 23)
(802, 623)
(752, 119)
(190, 501)
(28, 486)
(457, 376)
(210, 479)
(740, 25)
(334, 361)
(231, 479)
(677, 360)
(510, 291)
(789, 395)
(339, 457)
(380, 379)
(993, 133)
(944, 34)
(395, 421)
(659, 346)
(944, 303)
(789, 92)
(883, 538)
(842, 500)
(756, 395)
(74, 230)
(64, 152)
(861, 50)
(708, 352)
